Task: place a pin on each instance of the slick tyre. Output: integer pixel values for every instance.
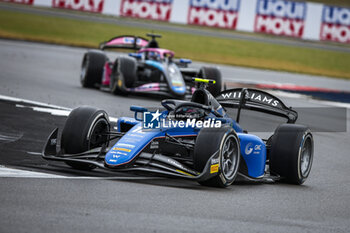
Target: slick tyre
(225, 141)
(123, 74)
(214, 74)
(92, 68)
(291, 153)
(86, 128)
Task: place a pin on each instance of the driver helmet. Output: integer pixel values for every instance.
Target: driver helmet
(189, 112)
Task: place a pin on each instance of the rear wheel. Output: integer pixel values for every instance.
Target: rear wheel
(86, 128)
(291, 153)
(214, 74)
(92, 68)
(224, 140)
(123, 74)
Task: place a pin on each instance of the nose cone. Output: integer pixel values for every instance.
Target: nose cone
(129, 146)
(177, 83)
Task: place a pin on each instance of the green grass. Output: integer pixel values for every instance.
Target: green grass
(209, 49)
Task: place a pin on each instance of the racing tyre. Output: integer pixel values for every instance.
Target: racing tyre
(123, 74)
(92, 68)
(85, 129)
(215, 74)
(291, 153)
(224, 140)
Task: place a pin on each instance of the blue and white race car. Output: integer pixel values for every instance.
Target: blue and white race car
(194, 139)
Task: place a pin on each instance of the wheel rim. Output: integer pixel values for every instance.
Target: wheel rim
(306, 156)
(229, 158)
(98, 135)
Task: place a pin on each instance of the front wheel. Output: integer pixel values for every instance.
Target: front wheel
(226, 142)
(92, 68)
(291, 155)
(86, 128)
(124, 74)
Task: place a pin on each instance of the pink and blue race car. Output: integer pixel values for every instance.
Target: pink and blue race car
(149, 70)
(200, 139)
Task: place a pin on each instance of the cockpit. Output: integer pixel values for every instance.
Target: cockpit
(156, 54)
(200, 106)
(190, 112)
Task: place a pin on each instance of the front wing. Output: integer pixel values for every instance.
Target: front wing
(160, 89)
(145, 162)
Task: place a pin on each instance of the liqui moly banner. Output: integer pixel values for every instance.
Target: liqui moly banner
(28, 2)
(335, 24)
(214, 13)
(305, 20)
(280, 17)
(147, 9)
(81, 5)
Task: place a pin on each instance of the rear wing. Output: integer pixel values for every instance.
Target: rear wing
(125, 42)
(257, 100)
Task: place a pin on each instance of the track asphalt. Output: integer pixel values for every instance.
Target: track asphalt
(134, 203)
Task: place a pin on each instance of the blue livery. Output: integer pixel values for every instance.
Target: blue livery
(194, 139)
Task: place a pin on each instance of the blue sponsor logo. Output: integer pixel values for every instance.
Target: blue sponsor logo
(335, 24)
(336, 15)
(282, 9)
(226, 5)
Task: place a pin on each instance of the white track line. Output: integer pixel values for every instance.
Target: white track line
(52, 111)
(10, 172)
(33, 153)
(6, 172)
(44, 107)
(19, 100)
(9, 138)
